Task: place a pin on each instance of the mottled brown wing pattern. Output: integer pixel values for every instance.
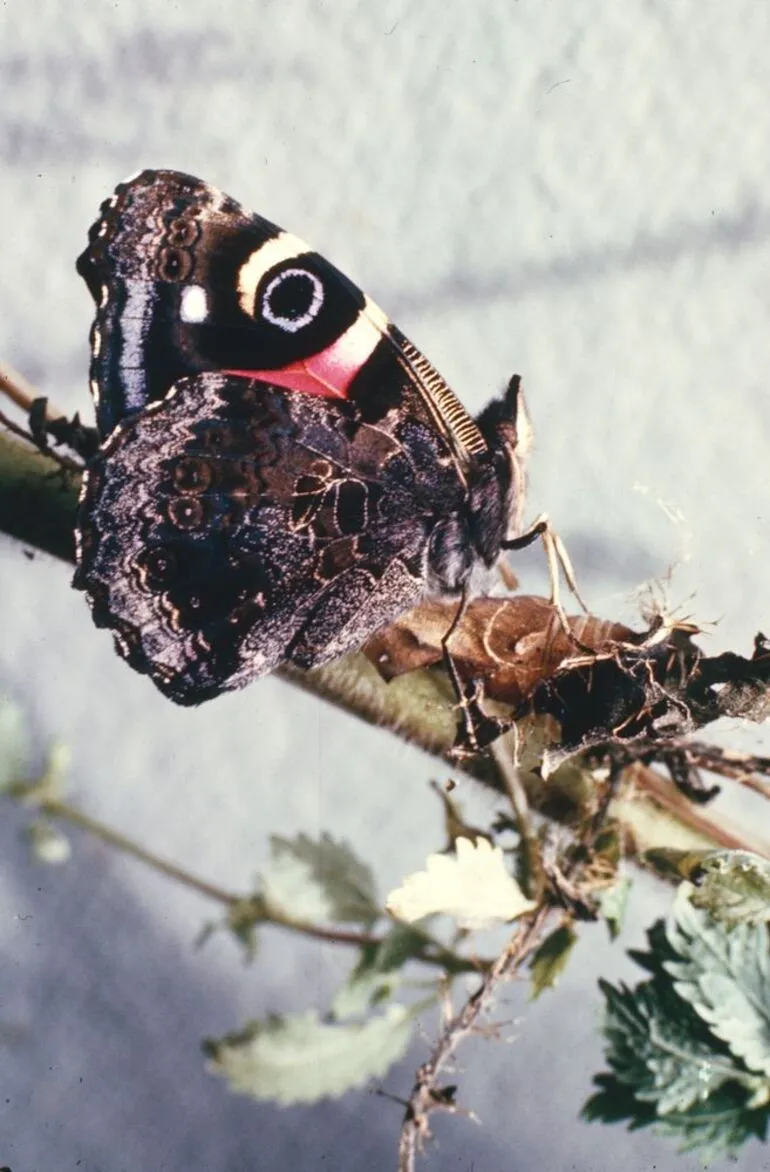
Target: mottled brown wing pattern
(235, 525)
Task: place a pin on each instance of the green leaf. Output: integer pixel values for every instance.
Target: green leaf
(319, 881)
(669, 1066)
(551, 958)
(725, 976)
(376, 976)
(397, 946)
(719, 1126)
(612, 903)
(300, 1059)
(615, 1102)
(734, 887)
(362, 993)
(659, 1047)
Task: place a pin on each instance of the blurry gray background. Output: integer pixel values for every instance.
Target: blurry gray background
(578, 192)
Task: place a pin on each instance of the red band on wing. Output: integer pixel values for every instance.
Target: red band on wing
(330, 372)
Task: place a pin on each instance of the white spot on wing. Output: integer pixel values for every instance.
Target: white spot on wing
(292, 324)
(194, 305)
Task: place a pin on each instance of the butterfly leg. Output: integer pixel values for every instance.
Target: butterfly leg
(476, 729)
(558, 560)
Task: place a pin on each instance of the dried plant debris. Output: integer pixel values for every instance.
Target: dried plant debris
(604, 684)
(511, 644)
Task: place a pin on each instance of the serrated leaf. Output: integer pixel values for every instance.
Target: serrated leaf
(300, 1059)
(613, 902)
(376, 976)
(668, 1066)
(13, 742)
(734, 887)
(725, 975)
(659, 1047)
(324, 880)
(472, 884)
(551, 959)
(399, 944)
(719, 1126)
(363, 992)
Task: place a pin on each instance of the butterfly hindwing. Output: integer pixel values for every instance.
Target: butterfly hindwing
(235, 525)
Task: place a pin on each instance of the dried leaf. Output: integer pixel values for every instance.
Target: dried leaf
(734, 887)
(510, 643)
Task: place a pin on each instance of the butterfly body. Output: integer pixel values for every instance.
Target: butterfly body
(282, 473)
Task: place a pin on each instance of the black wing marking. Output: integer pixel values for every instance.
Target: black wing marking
(185, 280)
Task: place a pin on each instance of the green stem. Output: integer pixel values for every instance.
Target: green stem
(66, 813)
(433, 953)
(37, 499)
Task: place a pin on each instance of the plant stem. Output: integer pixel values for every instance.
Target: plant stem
(426, 1095)
(67, 813)
(434, 953)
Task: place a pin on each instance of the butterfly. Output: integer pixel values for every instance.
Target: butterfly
(281, 473)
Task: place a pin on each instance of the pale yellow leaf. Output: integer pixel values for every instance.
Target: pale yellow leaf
(472, 885)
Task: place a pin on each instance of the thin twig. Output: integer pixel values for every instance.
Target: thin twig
(64, 812)
(665, 794)
(434, 953)
(65, 462)
(22, 393)
(426, 1095)
(508, 769)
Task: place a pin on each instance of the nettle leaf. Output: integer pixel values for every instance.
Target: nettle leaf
(472, 884)
(551, 959)
(660, 1048)
(734, 887)
(13, 742)
(324, 880)
(717, 1127)
(725, 975)
(364, 992)
(681, 1045)
(300, 1059)
(377, 974)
